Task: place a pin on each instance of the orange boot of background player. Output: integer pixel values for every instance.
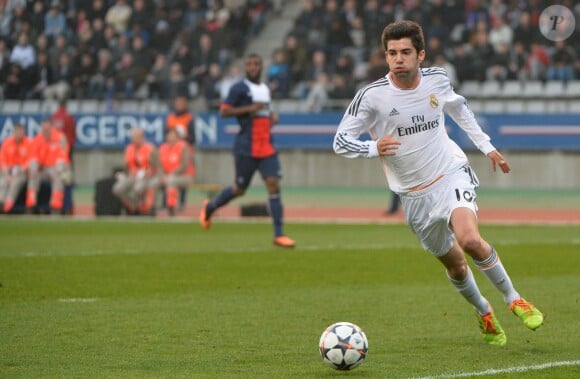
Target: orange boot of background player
(30, 200)
(171, 196)
(56, 201)
(147, 208)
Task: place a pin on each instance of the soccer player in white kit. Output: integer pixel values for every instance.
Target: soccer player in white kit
(404, 115)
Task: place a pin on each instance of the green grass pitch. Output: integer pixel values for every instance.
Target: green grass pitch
(154, 299)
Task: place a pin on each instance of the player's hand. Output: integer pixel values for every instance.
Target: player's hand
(387, 145)
(498, 160)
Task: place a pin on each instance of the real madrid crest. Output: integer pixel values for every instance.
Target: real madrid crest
(433, 101)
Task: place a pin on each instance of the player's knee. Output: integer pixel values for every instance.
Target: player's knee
(471, 243)
(457, 271)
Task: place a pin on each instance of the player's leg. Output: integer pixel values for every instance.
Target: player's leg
(464, 223)
(487, 261)
(122, 189)
(427, 216)
(57, 178)
(34, 177)
(173, 184)
(17, 181)
(271, 174)
(4, 184)
(244, 171)
(144, 191)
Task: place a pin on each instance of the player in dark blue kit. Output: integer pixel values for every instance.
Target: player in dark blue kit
(249, 101)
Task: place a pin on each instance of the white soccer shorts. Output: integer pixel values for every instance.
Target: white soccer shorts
(428, 211)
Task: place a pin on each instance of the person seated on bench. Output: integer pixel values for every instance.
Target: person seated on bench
(15, 155)
(177, 170)
(50, 161)
(136, 187)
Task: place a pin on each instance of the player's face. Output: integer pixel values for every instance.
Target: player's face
(254, 69)
(402, 58)
(19, 134)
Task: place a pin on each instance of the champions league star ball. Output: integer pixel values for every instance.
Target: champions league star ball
(343, 346)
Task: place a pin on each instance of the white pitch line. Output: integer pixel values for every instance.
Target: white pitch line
(260, 249)
(507, 370)
(78, 300)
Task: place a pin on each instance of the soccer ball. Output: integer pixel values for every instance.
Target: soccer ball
(343, 346)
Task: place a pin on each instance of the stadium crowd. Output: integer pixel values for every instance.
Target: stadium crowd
(151, 49)
(126, 49)
(334, 45)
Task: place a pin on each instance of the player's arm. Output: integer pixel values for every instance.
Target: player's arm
(356, 121)
(456, 107)
(227, 110)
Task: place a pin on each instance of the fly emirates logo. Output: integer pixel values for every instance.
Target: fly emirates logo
(419, 125)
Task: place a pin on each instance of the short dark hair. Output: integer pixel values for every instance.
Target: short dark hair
(254, 56)
(404, 29)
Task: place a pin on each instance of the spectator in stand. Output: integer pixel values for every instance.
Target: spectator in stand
(317, 66)
(340, 89)
(441, 61)
(157, 77)
(562, 59)
(538, 61)
(118, 16)
(23, 53)
(141, 54)
(97, 40)
(211, 90)
(62, 76)
(176, 168)
(525, 32)
(279, 75)
(194, 15)
(129, 77)
(40, 77)
(4, 63)
(517, 62)
(97, 9)
(136, 187)
(374, 20)
(38, 15)
(82, 74)
(14, 86)
(15, 153)
(500, 34)
(498, 65)
(54, 22)
(184, 57)
(482, 53)
(204, 56)
(49, 162)
(141, 15)
(461, 59)
(176, 85)
(296, 57)
(337, 37)
(102, 81)
(59, 47)
(317, 98)
(377, 68)
(233, 76)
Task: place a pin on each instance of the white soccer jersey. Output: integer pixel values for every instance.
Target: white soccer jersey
(415, 117)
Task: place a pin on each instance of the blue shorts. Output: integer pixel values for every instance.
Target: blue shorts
(247, 166)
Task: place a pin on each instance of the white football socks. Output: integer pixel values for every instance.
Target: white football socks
(468, 289)
(493, 269)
